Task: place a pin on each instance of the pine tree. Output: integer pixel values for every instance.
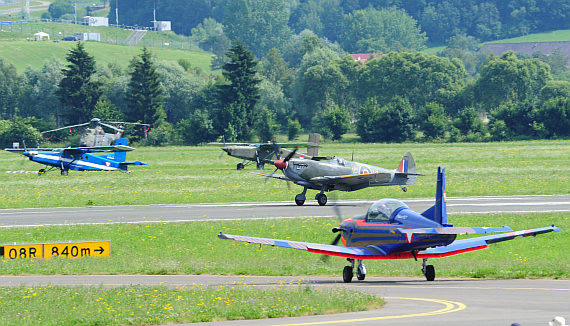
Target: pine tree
(77, 92)
(239, 96)
(144, 97)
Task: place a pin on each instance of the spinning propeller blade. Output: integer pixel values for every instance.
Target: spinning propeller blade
(339, 217)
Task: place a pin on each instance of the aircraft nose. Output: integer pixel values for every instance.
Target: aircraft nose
(280, 164)
(226, 149)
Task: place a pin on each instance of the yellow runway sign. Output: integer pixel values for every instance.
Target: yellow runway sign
(63, 249)
(77, 249)
(22, 251)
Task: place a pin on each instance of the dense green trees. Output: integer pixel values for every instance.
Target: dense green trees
(507, 78)
(260, 24)
(371, 30)
(145, 95)
(78, 92)
(9, 90)
(239, 95)
(59, 8)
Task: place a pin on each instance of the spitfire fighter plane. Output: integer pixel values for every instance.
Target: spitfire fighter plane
(261, 153)
(391, 230)
(81, 158)
(340, 174)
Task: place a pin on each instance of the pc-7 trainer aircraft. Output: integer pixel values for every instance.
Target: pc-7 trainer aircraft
(391, 230)
(81, 158)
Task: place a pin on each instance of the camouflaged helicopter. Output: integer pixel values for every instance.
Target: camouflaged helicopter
(339, 174)
(94, 135)
(261, 153)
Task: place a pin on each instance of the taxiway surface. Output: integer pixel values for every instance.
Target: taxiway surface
(466, 302)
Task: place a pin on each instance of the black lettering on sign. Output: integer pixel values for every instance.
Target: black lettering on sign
(74, 251)
(13, 254)
(32, 252)
(54, 251)
(22, 252)
(85, 252)
(2, 251)
(65, 251)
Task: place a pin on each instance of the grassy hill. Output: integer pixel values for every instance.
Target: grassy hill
(559, 35)
(23, 53)
(165, 45)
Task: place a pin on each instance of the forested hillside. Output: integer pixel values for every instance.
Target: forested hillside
(337, 19)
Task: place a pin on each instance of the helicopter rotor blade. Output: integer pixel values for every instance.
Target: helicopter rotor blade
(112, 127)
(79, 125)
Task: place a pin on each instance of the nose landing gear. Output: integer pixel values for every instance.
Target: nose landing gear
(348, 271)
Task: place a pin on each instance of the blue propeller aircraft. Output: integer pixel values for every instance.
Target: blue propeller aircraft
(391, 230)
(81, 158)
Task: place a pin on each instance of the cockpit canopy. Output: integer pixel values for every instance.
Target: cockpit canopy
(383, 209)
(339, 161)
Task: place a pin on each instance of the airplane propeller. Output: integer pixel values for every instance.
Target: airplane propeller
(338, 214)
(281, 164)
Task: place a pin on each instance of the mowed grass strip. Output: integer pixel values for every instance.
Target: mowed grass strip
(178, 175)
(193, 248)
(152, 305)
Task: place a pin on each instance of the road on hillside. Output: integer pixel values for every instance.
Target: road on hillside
(465, 302)
(231, 211)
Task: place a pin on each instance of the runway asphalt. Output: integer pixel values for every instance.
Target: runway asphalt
(465, 302)
(228, 211)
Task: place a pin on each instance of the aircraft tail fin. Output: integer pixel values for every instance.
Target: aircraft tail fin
(121, 156)
(314, 138)
(407, 164)
(438, 212)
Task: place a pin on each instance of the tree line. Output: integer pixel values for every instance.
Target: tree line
(349, 22)
(400, 96)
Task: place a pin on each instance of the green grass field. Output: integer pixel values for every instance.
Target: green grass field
(23, 53)
(194, 248)
(176, 175)
(152, 305)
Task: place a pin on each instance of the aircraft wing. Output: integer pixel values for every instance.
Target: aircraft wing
(374, 252)
(292, 145)
(354, 179)
(478, 243)
(97, 149)
(21, 150)
(275, 176)
(456, 230)
(231, 144)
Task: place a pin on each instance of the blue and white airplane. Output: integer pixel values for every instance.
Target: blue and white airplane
(391, 230)
(81, 158)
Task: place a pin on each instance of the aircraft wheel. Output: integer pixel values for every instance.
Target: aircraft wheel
(347, 274)
(322, 199)
(299, 202)
(404, 189)
(359, 275)
(42, 171)
(430, 273)
(240, 166)
(64, 172)
(260, 166)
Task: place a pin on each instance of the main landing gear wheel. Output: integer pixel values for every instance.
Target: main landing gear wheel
(347, 274)
(240, 166)
(430, 273)
(300, 199)
(64, 172)
(260, 166)
(42, 172)
(322, 199)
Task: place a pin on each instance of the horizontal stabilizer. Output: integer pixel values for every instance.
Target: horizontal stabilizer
(132, 163)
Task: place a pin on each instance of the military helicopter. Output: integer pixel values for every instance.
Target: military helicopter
(339, 174)
(261, 153)
(94, 135)
(391, 230)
